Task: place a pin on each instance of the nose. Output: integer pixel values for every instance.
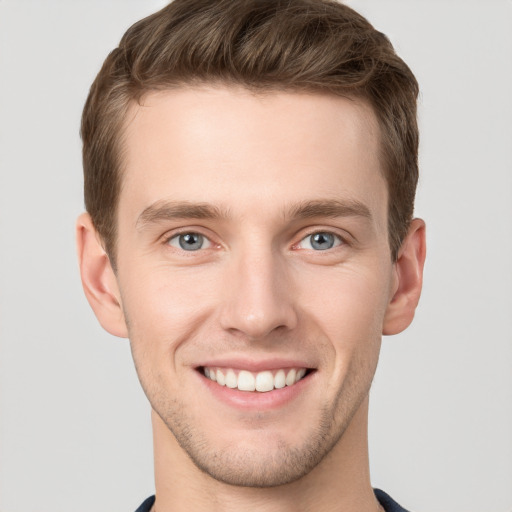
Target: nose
(258, 296)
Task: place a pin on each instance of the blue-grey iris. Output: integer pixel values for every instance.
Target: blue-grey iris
(322, 241)
(191, 241)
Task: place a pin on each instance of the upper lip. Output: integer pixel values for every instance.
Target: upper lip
(254, 365)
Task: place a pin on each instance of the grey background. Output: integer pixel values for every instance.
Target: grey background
(74, 426)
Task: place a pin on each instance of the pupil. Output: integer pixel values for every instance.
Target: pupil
(191, 241)
(322, 241)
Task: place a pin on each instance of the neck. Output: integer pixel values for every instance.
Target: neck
(341, 482)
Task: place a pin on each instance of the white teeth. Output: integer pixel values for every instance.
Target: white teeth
(220, 378)
(231, 380)
(262, 381)
(300, 374)
(290, 378)
(246, 381)
(280, 379)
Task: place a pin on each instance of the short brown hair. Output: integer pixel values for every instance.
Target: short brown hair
(265, 45)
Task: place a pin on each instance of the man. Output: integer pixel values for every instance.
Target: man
(250, 171)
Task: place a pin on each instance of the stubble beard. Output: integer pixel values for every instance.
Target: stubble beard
(257, 467)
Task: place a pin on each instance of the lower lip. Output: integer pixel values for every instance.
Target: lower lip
(256, 400)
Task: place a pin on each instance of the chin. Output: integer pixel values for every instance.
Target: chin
(260, 459)
(252, 468)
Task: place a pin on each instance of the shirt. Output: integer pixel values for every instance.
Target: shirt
(385, 500)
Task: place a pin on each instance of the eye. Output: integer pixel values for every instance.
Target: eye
(189, 241)
(320, 241)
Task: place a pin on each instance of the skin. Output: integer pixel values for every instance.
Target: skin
(257, 290)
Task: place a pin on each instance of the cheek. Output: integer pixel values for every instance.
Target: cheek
(349, 311)
(163, 306)
(348, 303)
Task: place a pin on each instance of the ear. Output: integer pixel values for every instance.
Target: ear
(98, 278)
(408, 270)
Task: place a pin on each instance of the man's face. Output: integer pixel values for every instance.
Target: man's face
(253, 249)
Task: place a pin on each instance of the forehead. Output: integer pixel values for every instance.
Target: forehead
(231, 147)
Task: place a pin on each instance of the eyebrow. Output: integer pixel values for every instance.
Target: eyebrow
(172, 210)
(330, 208)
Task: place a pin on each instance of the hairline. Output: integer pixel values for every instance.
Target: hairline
(135, 99)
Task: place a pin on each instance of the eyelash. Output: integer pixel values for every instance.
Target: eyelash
(167, 239)
(338, 240)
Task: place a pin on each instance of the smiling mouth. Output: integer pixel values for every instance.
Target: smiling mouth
(262, 382)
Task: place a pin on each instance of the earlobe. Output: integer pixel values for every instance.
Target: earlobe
(409, 279)
(98, 278)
